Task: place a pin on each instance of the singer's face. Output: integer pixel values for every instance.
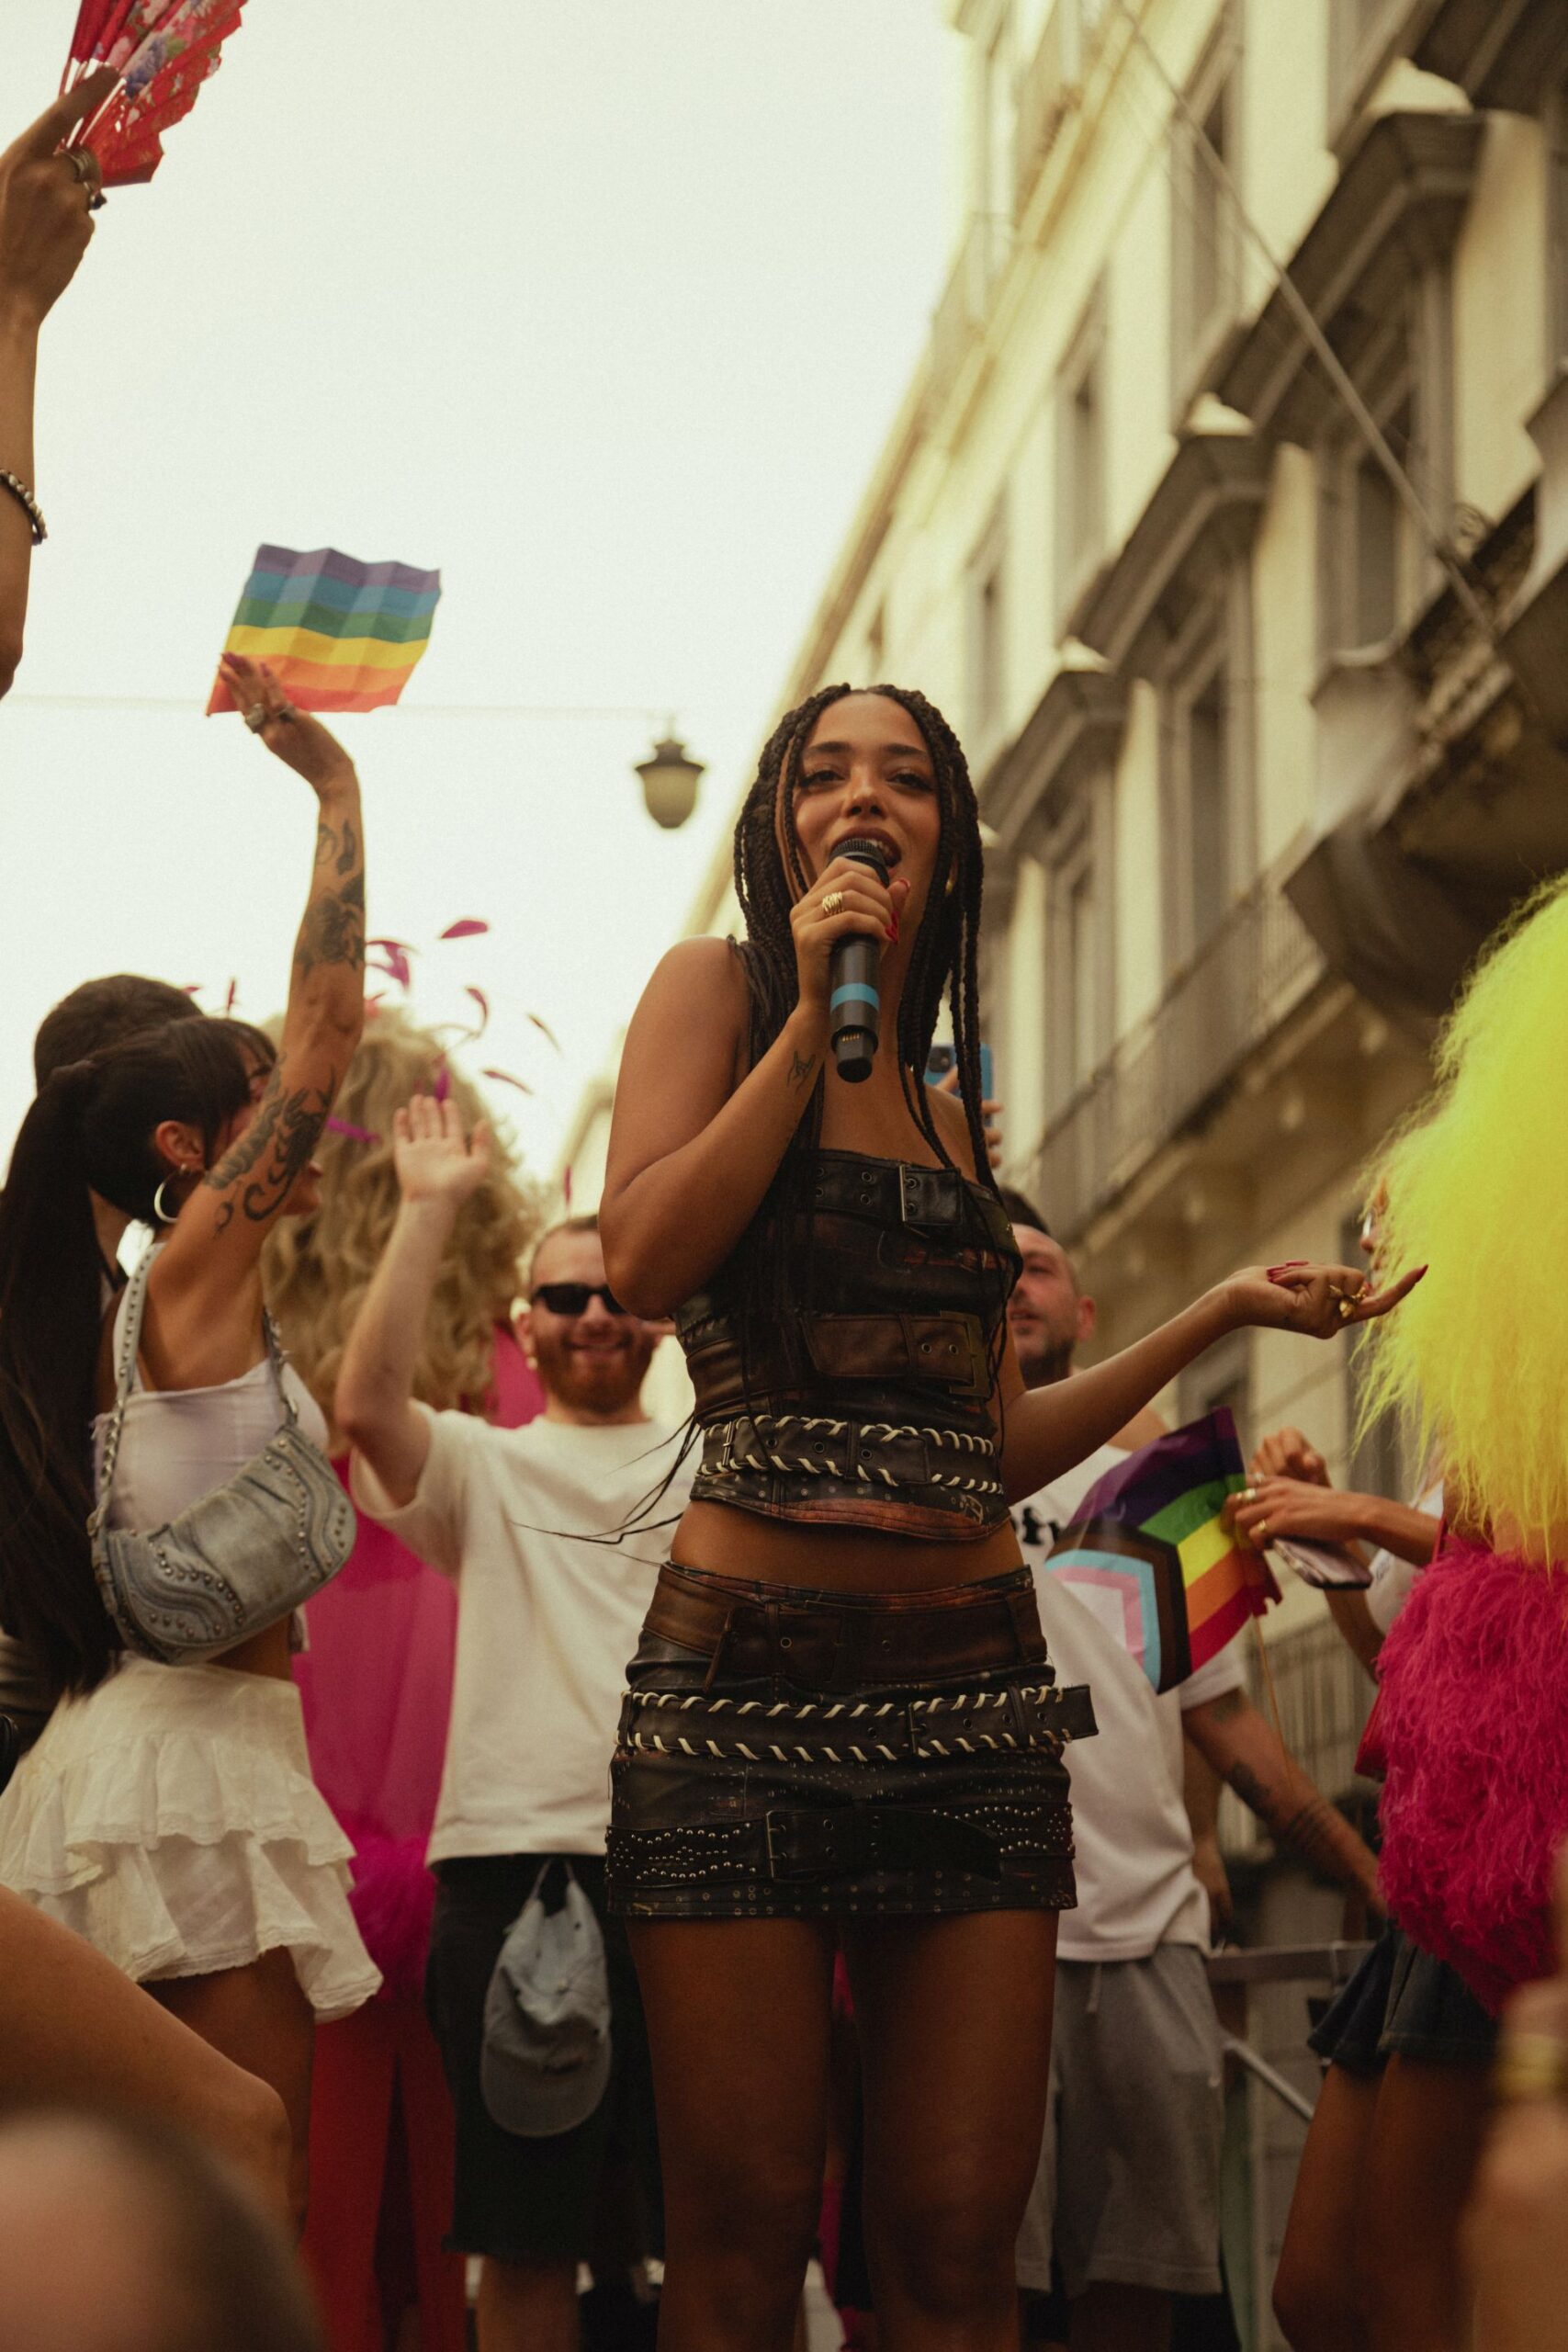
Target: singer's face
(865, 770)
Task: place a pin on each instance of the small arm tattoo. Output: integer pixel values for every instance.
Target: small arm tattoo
(333, 929)
(1315, 1831)
(800, 1069)
(338, 848)
(260, 1171)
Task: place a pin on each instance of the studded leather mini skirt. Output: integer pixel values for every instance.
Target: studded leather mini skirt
(786, 1753)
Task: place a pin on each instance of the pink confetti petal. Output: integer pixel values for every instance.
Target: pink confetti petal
(544, 1030)
(506, 1079)
(483, 1002)
(394, 960)
(232, 999)
(355, 1134)
(193, 988)
(441, 1085)
(470, 928)
(566, 1187)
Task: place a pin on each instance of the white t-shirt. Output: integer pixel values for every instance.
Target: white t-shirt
(547, 1621)
(1137, 1888)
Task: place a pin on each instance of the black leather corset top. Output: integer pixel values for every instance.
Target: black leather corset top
(869, 1403)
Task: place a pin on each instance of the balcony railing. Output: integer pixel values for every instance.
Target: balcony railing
(958, 327)
(1257, 965)
(1047, 90)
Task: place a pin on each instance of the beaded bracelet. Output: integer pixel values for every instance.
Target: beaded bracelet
(27, 502)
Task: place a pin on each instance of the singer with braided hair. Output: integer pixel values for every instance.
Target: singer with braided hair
(842, 1723)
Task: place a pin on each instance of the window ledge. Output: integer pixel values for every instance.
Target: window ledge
(1396, 209)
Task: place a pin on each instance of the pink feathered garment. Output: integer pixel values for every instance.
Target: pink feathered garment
(377, 1688)
(1472, 1717)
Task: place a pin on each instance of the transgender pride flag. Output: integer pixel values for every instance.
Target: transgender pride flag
(1151, 1556)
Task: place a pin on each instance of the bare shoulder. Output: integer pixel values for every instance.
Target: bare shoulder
(947, 1112)
(698, 971)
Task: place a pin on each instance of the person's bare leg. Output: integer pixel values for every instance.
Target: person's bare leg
(1421, 2159)
(955, 2018)
(737, 2021)
(260, 2017)
(1317, 2297)
(73, 2030)
(1112, 2318)
(528, 2306)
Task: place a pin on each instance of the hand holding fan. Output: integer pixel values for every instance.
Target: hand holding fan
(163, 51)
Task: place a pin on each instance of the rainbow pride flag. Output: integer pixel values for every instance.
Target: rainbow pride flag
(1150, 1554)
(341, 634)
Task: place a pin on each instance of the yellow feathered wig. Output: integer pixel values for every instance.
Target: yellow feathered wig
(1477, 1190)
(317, 1271)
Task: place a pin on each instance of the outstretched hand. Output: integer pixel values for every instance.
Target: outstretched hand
(46, 224)
(292, 736)
(1317, 1300)
(433, 1160)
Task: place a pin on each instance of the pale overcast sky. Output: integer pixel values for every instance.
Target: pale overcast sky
(602, 309)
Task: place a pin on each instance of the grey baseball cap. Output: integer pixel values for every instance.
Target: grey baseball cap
(545, 2057)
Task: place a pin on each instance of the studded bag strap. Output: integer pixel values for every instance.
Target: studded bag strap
(133, 1308)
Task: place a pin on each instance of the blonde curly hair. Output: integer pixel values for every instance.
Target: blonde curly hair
(317, 1271)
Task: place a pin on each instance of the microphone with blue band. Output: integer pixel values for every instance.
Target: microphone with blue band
(854, 1008)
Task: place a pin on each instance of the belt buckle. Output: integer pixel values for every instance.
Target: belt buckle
(927, 1197)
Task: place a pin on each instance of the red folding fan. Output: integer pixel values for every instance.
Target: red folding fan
(163, 51)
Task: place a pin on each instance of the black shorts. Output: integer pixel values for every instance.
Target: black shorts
(539, 2200)
(786, 1753)
(1403, 2002)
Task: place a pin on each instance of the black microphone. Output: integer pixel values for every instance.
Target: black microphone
(854, 1008)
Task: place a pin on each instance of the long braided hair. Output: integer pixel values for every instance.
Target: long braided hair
(770, 875)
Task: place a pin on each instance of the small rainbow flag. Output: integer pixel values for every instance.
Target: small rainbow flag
(341, 634)
(1149, 1550)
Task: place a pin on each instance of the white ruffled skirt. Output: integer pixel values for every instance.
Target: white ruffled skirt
(171, 1819)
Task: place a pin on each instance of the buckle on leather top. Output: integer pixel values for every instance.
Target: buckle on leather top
(927, 1195)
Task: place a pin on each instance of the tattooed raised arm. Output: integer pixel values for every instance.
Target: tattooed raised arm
(256, 1176)
(206, 1281)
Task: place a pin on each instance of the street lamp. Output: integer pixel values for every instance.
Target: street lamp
(670, 781)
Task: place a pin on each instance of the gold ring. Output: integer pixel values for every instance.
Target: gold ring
(1529, 2066)
(88, 170)
(1347, 1308)
(833, 903)
(1260, 1532)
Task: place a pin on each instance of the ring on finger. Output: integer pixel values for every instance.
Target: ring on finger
(833, 903)
(258, 717)
(1260, 1532)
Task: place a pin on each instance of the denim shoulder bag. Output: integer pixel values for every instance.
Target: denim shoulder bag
(240, 1559)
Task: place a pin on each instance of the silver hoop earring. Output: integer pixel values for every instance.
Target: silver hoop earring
(161, 1210)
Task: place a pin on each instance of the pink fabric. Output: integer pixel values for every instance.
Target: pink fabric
(1472, 1719)
(375, 1684)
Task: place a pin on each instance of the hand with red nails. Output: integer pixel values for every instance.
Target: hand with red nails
(1315, 1300)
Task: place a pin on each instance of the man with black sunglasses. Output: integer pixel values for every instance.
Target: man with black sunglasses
(555, 1559)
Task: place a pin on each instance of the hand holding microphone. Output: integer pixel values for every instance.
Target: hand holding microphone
(840, 929)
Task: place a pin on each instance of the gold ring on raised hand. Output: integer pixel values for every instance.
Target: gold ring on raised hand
(833, 903)
(1530, 2065)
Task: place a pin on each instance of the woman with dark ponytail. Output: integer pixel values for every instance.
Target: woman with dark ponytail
(843, 1725)
(167, 1812)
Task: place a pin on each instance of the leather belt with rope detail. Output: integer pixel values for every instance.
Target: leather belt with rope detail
(863, 1731)
(870, 1454)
